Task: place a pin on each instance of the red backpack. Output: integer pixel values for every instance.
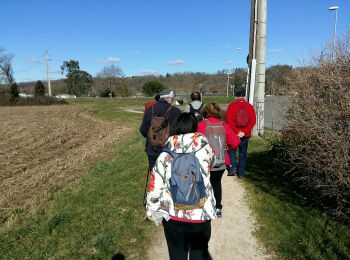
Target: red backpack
(242, 116)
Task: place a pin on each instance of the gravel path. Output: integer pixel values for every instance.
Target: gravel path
(231, 235)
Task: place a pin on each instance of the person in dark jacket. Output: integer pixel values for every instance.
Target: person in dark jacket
(166, 99)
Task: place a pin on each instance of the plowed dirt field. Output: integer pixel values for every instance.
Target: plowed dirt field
(44, 147)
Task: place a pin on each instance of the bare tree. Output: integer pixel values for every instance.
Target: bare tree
(6, 71)
(111, 77)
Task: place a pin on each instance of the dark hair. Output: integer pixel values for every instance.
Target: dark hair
(184, 124)
(211, 110)
(157, 97)
(195, 96)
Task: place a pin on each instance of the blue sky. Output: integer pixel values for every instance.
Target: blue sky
(156, 37)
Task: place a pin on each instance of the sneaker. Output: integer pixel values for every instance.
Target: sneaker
(231, 173)
(219, 213)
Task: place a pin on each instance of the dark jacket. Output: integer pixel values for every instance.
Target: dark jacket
(159, 110)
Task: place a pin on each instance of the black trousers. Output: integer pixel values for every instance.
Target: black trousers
(185, 239)
(215, 180)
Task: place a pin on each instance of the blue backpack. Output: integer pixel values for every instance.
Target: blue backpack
(186, 183)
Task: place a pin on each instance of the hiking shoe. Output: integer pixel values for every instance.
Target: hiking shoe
(231, 173)
(219, 213)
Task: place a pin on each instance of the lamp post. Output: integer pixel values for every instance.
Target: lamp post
(228, 81)
(334, 8)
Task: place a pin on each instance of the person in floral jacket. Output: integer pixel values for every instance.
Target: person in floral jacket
(186, 231)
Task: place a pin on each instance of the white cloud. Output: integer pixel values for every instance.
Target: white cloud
(229, 62)
(175, 62)
(110, 60)
(274, 50)
(34, 61)
(148, 72)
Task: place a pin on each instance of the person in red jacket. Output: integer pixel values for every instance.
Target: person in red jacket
(212, 115)
(240, 115)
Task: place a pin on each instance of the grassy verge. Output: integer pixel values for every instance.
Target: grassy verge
(289, 226)
(100, 217)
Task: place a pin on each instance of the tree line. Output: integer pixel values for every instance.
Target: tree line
(111, 81)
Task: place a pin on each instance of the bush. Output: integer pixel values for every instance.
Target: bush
(316, 137)
(6, 100)
(152, 87)
(105, 93)
(39, 89)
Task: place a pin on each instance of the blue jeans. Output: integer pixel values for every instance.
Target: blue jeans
(239, 165)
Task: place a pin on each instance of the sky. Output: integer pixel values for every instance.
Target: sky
(159, 37)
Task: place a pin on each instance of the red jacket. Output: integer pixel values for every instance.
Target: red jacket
(231, 116)
(232, 139)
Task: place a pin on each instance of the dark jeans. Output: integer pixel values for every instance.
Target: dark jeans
(242, 158)
(215, 180)
(185, 239)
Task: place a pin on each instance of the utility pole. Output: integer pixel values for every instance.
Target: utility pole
(259, 95)
(228, 81)
(48, 73)
(257, 61)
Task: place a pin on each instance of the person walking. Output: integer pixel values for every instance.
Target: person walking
(187, 230)
(195, 106)
(241, 117)
(152, 102)
(163, 108)
(212, 115)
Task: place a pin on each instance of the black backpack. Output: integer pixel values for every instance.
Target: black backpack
(196, 112)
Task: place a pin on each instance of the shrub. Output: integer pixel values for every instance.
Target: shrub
(105, 93)
(39, 89)
(152, 87)
(36, 101)
(316, 137)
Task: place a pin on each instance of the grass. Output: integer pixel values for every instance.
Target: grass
(290, 228)
(100, 217)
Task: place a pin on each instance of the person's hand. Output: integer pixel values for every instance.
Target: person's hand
(149, 218)
(241, 134)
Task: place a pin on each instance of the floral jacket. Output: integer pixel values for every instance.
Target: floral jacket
(159, 203)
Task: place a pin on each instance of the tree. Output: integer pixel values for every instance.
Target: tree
(111, 79)
(152, 87)
(277, 78)
(78, 81)
(13, 93)
(6, 70)
(239, 79)
(39, 89)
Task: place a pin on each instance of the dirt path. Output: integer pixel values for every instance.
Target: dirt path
(232, 235)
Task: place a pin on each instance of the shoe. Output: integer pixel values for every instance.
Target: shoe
(219, 213)
(241, 176)
(231, 173)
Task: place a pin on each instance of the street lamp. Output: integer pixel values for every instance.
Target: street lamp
(334, 8)
(228, 81)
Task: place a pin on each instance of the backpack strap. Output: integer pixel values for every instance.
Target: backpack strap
(167, 112)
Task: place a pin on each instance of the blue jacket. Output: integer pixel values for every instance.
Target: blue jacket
(159, 110)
